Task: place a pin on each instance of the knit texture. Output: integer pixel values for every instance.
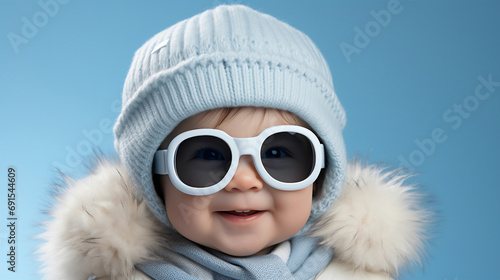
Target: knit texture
(230, 56)
(188, 261)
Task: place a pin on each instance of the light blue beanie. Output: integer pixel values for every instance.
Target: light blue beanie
(230, 56)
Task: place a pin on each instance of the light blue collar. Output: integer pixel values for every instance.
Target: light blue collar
(186, 260)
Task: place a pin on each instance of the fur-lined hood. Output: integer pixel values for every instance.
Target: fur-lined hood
(100, 227)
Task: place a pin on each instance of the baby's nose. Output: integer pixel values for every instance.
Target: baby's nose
(246, 176)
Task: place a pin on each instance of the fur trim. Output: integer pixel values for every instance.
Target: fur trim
(99, 228)
(376, 224)
(342, 271)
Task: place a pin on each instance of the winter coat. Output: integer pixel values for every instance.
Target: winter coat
(100, 227)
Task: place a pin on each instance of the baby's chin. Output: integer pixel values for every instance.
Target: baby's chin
(248, 253)
(238, 251)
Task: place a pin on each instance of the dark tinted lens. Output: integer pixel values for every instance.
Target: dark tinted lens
(202, 161)
(288, 157)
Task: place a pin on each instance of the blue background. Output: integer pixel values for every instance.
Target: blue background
(61, 86)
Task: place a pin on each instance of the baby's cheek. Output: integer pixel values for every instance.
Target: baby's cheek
(174, 215)
(293, 209)
(189, 215)
(180, 210)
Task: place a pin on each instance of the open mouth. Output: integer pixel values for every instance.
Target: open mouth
(241, 217)
(241, 213)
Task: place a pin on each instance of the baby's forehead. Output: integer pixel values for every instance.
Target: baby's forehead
(237, 122)
(242, 118)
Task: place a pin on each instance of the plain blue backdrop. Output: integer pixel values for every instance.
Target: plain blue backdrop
(420, 88)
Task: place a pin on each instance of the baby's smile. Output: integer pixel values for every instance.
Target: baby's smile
(241, 217)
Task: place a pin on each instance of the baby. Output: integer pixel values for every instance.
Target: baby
(232, 166)
(243, 215)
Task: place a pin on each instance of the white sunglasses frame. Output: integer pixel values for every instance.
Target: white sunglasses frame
(164, 160)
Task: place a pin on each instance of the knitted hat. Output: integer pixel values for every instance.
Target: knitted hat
(230, 56)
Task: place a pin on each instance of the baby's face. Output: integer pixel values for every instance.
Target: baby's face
(221, 220)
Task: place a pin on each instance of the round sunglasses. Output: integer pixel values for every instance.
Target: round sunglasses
(203, 161)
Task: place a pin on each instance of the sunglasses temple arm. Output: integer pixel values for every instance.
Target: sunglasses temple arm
(323, 156)
(160, 162)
